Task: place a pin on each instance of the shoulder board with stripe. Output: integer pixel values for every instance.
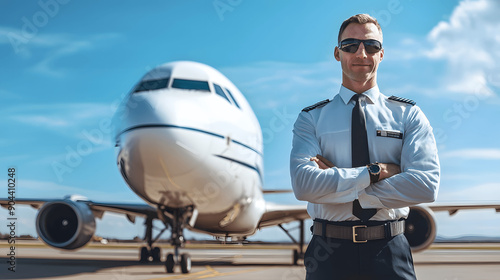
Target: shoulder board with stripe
(404, 100)
(317, 105)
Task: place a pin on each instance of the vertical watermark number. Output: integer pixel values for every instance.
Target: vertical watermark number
(11, 218)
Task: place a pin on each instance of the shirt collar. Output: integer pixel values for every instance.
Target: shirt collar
(371, 94)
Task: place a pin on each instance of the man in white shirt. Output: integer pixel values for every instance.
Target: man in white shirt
(360, 159)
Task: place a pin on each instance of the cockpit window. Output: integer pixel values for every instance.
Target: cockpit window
(190, 84)
(152, 85)
(220, 92)
(232, 98)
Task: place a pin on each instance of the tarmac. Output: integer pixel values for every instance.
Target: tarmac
(117, 261)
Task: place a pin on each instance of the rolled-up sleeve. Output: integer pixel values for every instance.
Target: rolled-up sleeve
(315, 185)
(419, 180)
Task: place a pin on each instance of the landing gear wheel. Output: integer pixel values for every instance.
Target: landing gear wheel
(156, 253)
(185, 263)
(295, 257)
(144, 256)
(170, 263)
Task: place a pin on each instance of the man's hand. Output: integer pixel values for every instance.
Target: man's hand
(388, 170)
(322, 162)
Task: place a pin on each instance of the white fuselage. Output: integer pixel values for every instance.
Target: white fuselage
(179, 147)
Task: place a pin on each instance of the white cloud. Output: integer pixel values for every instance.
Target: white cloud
(24, 47)
(83, 121)
(46, 65)
(46, 189)
(15, 158)
(41, 120)
(67, 45)
(54, 47)
(483, 154)
(470, 43)
(62, 115)
(282, 83)
(484, 192)
(8, 95)
(405, 48)
(9, 36)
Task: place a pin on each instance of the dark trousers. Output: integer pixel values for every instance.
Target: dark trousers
(329, 258)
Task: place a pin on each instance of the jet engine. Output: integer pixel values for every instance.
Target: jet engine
(65, 224)
(420, 228)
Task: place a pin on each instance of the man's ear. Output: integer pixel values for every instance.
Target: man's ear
(336, 53)
(381, 54)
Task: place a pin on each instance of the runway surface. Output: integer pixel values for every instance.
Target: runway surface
(109, 262)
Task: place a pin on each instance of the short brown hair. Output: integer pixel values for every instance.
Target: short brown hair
(361, 19)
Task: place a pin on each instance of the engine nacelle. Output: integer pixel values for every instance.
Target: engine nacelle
(420, 228)
(65, 224)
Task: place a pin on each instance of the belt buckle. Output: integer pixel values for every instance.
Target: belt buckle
(354, 234)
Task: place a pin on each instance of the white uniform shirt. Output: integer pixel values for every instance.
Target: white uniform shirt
(398, 133)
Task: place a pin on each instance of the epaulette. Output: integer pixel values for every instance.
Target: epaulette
(404, 100)
(317, 105)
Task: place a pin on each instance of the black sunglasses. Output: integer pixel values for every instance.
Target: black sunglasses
(351, 45)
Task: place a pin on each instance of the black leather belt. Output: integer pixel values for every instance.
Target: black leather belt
(359, 233)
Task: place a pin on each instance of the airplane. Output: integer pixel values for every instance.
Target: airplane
(189, 144)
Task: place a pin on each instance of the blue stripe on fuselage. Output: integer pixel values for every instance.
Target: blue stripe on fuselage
(192, 129)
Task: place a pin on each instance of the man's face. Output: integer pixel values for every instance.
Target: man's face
(360, 66)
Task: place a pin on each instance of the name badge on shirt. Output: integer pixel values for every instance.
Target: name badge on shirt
(390, 133)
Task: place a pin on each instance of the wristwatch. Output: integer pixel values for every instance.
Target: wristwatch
(374, 170)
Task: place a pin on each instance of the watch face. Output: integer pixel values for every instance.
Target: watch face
(374, 168)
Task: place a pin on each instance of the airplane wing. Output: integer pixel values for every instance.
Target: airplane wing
(453, 208)
(281, 214)
(35, 203)
(277, 191)
(131, 210)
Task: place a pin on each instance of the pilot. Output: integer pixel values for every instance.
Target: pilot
(360, 160)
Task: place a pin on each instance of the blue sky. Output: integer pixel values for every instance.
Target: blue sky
(66, 64)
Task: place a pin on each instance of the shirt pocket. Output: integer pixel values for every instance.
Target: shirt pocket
(388, 145)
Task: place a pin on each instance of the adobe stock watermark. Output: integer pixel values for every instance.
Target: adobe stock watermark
(31, 25)
(221, 179)
(293, 274)
(455, 115)
(95, 137)
(92, 139)
(494, 79)
(384, 17)
(223, 6)
(121, 274)
(212, 189)
(279, 122)
(322, 249)
(74, 155)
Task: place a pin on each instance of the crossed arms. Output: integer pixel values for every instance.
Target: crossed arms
(414, 180)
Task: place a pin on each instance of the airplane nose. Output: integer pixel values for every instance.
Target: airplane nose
(163, 156)
(157, 127)
(163, 108)
(139, 109)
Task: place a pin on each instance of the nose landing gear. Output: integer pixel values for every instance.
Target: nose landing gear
(184, 262)
(176, 218)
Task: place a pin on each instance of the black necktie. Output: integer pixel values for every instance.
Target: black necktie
(360, 153)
